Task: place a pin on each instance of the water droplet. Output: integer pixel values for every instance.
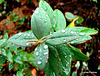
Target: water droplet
(39, 62)
(81, 33)
(64, 40)
(20, 33)
(27, 43)
(28, 34)
(65, 56)
(37, 53)
(45, 47)
(45, 53)
(72, 32)
(63, 31)
(36, 12)
(69, 55)
(35, 48)
(40, 58)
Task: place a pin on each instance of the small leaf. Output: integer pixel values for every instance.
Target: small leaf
(2, 60)
(21, 38)
(52, 66)
(69, 15)
(40, 23)
(47, 8)
(3, 52)
(79, 21)
(65, 60)
(60, 20)
(82, 30)
(19, 73)
(18, 59)
(77, 54)
(9, 56)
(11, 65)
(2, 41)
(41, 55)
(5, 36)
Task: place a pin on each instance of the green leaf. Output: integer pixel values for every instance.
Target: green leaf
(21, 38)
(79, 21)
(80, 40)
(9, 56)
(40, 23)
(60, 20)
(99, 67)
(5, 36)
(7, 21)
(52, 66)
(82, 30)
(65, 60)
(13, 47)
(61, 37)
(3, 52)
(23, 55)
(22, 67)
(2, 41)
(5, 44)
(77, 54)
(1, 1)
(11, 65)
(19, 73)
(41, 55)
(47, 8)
(62, 40)
(61, 33)
(2, 60)
(18, 59)
(74, 74)
(69, 15)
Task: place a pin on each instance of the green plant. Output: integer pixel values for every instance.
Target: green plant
(52, 41)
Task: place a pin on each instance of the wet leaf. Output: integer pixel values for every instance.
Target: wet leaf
(65, 60)
(52, 66)
(82, 30)
(21, 38)
(47, 8)
(40, 23)
(41, 55)
(2, 41)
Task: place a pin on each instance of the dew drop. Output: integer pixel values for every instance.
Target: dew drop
(45, 47)
(63, 31)
(69, 55)
(19, 33)
(36, 12)
(39, 62)
(37, 53)
(81, 33)
(72, 32)
(27, 43)
(35, 48)
(28, 34)
(45, 53)
(65, 56)
(40, 58)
